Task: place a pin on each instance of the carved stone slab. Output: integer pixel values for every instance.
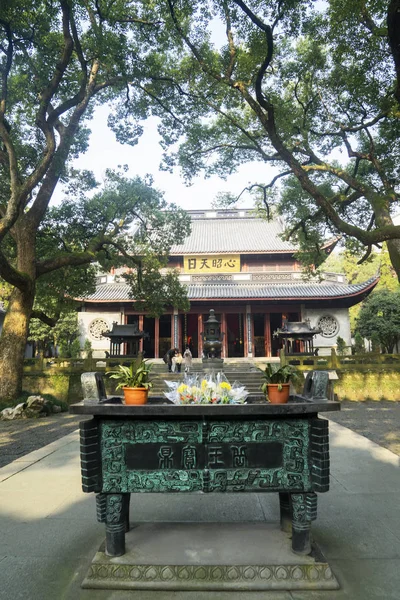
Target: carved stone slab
(155, 559)
(93, 388)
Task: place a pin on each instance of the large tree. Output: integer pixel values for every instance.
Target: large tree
(123, 225)
(309, 88)
(380, 318)
(59, 59)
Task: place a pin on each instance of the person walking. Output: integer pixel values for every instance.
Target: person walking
(178, 360)
(168, 358)
(187, 359)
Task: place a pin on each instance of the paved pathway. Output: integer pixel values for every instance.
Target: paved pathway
(19, 437)
(377, 421)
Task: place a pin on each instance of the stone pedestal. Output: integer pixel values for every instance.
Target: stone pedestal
(212, 364)
(210, 557)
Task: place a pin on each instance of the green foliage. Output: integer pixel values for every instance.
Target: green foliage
(153, 290)
(341, 346)
(63, 335)
(317, 98)
(274, 373)
(380, 316)
(375, 342)
(359, 346)
(59, 61)
(136, 375)
(347, 262)
(88, 349)
(75, 348)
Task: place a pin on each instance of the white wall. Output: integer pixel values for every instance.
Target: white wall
(84, 321)
(341, 315)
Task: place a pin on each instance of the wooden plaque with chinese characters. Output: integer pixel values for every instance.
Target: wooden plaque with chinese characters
(222, 263)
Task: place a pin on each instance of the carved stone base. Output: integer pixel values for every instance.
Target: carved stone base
(212, 364)
(210, 557)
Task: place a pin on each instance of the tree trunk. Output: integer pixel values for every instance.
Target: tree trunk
(394, 253)
(13, 342)
(14, 335)
(383, 218)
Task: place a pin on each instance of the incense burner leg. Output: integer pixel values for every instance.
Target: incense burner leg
(286, 515)
(116, 523)
(126, 501)
(304, 510)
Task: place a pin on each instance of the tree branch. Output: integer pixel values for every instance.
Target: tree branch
(16, 278)
(231, 45)
(393, 24)
(267, 29)
(50, 321)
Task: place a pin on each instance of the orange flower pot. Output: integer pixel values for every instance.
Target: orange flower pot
(276, 396)
(135, 395)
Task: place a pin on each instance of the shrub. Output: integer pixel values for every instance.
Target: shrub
(359, 346)
(375, 342)
(341, 346)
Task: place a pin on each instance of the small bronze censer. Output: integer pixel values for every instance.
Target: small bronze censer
(212, 342)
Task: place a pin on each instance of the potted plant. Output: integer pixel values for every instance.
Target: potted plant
(277, 382)
(134, 380)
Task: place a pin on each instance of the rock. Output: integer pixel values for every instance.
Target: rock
(6, 414)
(56, 408)
(35, 403)
(17, 412)
(29, 413)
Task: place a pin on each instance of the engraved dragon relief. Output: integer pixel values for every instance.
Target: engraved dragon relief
(245, 431)
(162, 431)
(167, 481)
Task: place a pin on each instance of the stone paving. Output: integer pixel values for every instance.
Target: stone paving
(377, 421)
(21, 436)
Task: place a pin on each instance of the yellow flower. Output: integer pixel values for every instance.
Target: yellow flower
(182, 388)
(224, 385)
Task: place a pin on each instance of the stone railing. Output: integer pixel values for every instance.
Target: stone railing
(304, 362)
(349, 362)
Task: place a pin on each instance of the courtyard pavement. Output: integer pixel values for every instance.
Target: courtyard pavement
(49, 533)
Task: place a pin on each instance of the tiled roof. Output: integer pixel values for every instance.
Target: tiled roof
(119, 292)
(209, 236)
(275, 291)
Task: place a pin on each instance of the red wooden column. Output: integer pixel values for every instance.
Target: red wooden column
(156, 337)
(199, 331)
(245, 334)
(141, 318)
(224, 352)
(175, 329)
(248, 333)
(267, 335)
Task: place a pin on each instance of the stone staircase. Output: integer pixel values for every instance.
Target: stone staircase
(244, 372)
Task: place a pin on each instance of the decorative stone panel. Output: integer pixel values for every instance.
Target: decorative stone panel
(97, 327)
(329, 326)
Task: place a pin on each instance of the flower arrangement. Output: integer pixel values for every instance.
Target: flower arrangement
(213, 389)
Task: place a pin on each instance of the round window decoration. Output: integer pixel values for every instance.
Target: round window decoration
(97, 327)
(328, 325)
